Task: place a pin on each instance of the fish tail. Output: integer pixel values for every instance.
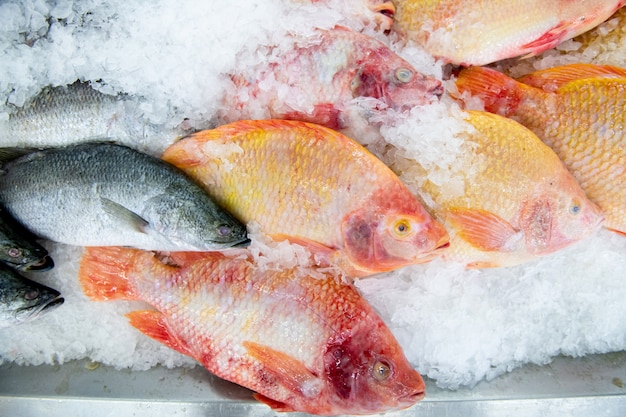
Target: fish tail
(500, 93)
(102, 273)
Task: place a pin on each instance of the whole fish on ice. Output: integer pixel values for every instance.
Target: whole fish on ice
(22, 300)
(319, 76)
(65, 115)
(580, 112)
(19, 248)
(469, 32)
(519, 201)
(314, 186)
(312, 345)
(100, 194)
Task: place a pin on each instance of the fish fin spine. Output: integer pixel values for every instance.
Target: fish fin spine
(102, 273)
(273, 404)
(552, 79)
(482, 229)
(154, 324)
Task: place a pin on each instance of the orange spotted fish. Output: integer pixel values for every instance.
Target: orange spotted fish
(314, 186)
(580, 112)
(469, 32)
(310, 344)
(519, 201)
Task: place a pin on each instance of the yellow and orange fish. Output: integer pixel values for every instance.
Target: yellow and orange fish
(580, 112)
(519, 201)
(314, 186)
(469, 32)
(312, 344)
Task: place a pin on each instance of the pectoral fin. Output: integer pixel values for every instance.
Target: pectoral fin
(152, 323)
(552, 79)
(274, 405)
(482, 229)
(287, 370)
(124, 215)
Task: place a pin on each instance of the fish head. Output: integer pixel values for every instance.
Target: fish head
(25, 257)
(196, 223)
(366, 372)
(384, 236)
(23, 300)
(384, 75)
(558, 216)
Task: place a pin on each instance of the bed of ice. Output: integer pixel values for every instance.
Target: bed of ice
(457, 326)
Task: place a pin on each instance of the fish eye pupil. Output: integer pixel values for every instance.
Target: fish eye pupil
(402, 227)
(575, 209)
(404, 75)
(14, 252)
(381, 371)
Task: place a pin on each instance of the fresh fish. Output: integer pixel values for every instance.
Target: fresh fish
(582, 121)
(317, 79)
(310, 344)
(65, 115)
(468, 32)
(19, 249)
(519, 201)
(314, 186)
(101, 194)
(22, 300)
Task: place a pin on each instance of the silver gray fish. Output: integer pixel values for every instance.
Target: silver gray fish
(22, 300)
(65, 115)
(103, 194)
(18, 247)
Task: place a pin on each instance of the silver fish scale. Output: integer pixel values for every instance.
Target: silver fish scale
(101, 194)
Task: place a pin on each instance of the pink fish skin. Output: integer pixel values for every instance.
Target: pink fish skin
(316, 80)
(470, 32)
(303, 344)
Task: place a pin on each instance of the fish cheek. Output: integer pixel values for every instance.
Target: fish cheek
(537, 219)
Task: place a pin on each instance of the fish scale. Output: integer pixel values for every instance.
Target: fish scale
(315, 187)
(582, 120)
(262, 329)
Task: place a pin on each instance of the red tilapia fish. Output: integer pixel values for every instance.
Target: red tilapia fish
(310, 344)
(316, 80)
(580, 112)
(469, 32)
(315, 187)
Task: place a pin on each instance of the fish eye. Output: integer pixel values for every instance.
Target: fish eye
(575, 208)
(402, 228)
(224, 230)
(381, 371)
(404, 75)
(31, 294)
(14, 252)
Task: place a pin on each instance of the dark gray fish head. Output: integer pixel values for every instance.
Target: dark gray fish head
(19, 248)
(22, 300)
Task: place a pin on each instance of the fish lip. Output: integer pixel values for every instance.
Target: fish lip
(242, 244)
(410, 399)
(44, 264)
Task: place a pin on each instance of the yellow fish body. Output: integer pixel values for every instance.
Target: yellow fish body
(314, 186)
(519, 202)
(582, 117)
(470, 32)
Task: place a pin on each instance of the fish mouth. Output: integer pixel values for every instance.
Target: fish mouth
(410, 399)
(44, 264)
(34, 311)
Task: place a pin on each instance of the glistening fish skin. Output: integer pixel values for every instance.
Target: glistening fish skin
(19, 249)
(469, 32)
(577, 110)
(101, 194)
(313, 186)
(316, 80)
(309, 344)
(65, 115)
(22, 300)
(519, 201)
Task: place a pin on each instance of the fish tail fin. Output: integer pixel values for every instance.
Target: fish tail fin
(500, 93)
(102, 273)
